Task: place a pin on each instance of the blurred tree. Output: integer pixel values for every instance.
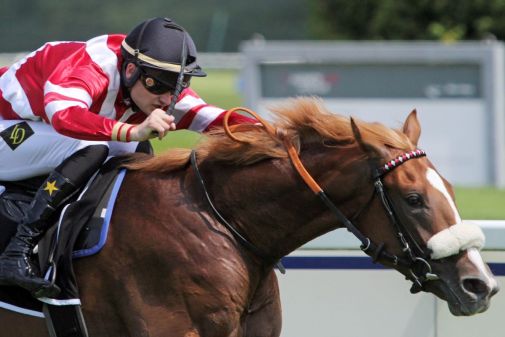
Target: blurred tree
(446, 20)
(27, 24)
(220, 25)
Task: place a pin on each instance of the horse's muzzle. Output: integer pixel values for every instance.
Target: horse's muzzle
(472, 296)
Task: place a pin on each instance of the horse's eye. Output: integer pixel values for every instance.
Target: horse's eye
(415, 200)
(330, 142)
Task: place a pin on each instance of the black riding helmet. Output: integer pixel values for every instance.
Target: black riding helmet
(158, 47)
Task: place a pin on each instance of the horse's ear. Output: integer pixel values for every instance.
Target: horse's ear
(368, 148)
(412, 128)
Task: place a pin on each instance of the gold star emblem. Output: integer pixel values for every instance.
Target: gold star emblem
(51, 187)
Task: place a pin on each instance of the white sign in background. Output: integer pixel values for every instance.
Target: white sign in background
(453, 132)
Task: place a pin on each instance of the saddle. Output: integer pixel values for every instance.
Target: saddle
(81, 231)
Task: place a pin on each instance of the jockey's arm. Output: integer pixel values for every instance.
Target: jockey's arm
(77, 121)
(193, 113)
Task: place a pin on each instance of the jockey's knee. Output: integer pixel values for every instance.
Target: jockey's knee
(81, 165)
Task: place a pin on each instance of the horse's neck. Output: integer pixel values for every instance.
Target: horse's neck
(269, 203)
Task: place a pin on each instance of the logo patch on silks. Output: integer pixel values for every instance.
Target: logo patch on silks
(16, 134)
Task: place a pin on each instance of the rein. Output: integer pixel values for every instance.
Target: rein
(416, 260)
(240, 238)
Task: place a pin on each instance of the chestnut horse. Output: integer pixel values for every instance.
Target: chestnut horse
(191, 250)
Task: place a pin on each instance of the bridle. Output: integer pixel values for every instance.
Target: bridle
(414, 258)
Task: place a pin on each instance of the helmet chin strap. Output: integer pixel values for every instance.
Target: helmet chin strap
(128, 82)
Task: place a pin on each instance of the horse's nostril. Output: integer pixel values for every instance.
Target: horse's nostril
(475, 286)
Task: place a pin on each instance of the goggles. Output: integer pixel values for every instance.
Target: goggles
(154, 85)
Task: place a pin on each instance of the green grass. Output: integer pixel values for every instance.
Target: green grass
(484, 203)
(219, 89)
(180, 138)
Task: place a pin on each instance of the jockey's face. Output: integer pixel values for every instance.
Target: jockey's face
(143, 98)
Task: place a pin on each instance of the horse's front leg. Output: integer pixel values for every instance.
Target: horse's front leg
(264, 317)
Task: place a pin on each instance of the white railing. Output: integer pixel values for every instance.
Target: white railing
(494, 230)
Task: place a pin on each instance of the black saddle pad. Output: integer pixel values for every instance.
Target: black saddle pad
(81, 232)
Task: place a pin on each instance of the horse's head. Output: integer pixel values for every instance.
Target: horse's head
(398, 205)
(436, 249)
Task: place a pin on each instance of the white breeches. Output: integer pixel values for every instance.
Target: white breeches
(23, 155)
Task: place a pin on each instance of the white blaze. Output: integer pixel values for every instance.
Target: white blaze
(437, 182)
(460, 236)
(476, 258)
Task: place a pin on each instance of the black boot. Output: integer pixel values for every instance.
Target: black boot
(16, 265)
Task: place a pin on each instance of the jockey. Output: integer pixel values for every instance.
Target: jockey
(67, 106)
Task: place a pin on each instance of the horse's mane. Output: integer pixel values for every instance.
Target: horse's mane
(303, 118)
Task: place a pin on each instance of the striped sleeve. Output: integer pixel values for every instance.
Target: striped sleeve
(57, 98)
(80, 123)
(80, 92)
(67, 106)
(193, 113)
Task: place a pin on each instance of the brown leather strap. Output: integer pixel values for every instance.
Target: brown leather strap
(297, 163)
(275, 133)
(242, 127)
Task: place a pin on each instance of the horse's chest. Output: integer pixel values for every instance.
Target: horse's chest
(219, 302)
